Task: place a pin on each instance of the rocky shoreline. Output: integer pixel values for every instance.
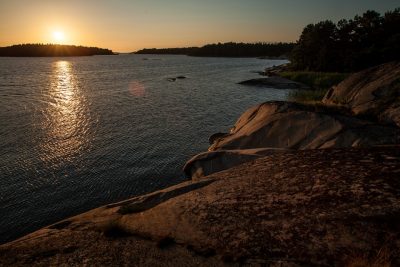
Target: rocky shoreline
(289, 185)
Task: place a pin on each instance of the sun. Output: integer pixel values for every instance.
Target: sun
(58, 36)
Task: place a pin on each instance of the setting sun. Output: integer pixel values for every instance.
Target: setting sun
(58, 36)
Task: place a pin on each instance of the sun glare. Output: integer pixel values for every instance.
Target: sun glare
(58, 36)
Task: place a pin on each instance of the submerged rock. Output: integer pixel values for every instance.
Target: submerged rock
(373, 92)
(275, 82)
(328, 207)
(173, 79)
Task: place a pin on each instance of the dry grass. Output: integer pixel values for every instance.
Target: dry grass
(381, 259)
(307, 96)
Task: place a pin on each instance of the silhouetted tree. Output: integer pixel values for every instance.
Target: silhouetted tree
(349, 45)
(314, 49)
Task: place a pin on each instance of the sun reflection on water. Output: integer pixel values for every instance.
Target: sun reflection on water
(67, 119)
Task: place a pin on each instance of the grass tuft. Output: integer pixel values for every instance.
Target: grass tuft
(316, 80)
(307, 96)
(320, 82)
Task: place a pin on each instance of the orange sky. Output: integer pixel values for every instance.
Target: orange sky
(129, 25)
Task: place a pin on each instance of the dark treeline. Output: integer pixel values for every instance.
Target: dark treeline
(349, 45)
(245, 50)
(51, 50)
(168, 51)
(228, 50)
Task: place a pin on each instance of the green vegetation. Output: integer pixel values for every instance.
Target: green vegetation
(316, 80)
(228, 50)
(307, 96)
(51, 50)
(349, 45)
(320, 82)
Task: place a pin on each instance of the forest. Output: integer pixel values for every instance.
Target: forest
(348, 45)
(51, 50)
(345, 46)
(167, 51)
(230, 49)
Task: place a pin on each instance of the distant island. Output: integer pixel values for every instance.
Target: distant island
(51, 50)
(231, 49)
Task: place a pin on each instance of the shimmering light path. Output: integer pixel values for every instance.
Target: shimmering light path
(76, 133)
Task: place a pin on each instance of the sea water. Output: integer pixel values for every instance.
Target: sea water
(80, 132)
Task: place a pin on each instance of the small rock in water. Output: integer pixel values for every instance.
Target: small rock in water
(176, 78)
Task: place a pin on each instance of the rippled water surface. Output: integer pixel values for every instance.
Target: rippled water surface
(76, 133)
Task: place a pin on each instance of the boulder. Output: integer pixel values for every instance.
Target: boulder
(276, 69)
(210, 162)
(296, 126)
(374, 92)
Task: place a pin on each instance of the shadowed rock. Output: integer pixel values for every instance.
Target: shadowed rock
(149, 201)
(374, 92)
(298, 208)
(275, 70)
(216, 136)
(210, 162)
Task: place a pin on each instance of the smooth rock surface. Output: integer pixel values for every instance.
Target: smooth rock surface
(300, 208)
(297, 126)
(374, 92)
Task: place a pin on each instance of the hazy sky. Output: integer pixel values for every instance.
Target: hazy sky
(128, 25)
